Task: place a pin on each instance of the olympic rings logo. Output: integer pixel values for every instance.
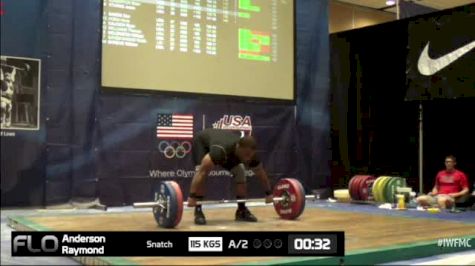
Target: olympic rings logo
(174, 149)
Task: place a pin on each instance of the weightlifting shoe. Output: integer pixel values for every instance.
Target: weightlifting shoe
(244, 215)
(200, 218)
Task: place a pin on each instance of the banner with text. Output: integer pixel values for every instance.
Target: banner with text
(156, 145)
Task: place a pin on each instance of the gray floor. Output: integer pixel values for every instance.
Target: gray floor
(462, 258)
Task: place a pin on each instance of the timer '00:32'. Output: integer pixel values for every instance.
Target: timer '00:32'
(313, 243)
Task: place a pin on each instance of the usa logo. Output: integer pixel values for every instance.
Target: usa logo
(235, 122)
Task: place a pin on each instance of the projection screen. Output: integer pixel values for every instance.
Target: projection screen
(224, 47)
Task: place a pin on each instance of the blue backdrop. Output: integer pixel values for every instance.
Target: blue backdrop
(102, 144)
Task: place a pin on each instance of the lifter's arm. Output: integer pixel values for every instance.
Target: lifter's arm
(262, 175)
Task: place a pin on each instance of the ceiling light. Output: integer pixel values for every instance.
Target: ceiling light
(390, 2)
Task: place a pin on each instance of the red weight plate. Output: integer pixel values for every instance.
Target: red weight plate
(350, 187)
(290, 208)
(179, 197)
(354, 194)
(168, 214)
(302, 192)
(361, 180)
(355, 187)
(365, 187)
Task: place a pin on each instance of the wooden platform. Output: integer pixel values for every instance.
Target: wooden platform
(370, 238)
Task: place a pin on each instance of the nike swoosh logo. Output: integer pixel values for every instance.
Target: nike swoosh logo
(428, 66)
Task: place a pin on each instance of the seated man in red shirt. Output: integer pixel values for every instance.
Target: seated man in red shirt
(449, 185)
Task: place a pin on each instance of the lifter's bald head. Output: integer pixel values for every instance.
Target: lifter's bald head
(246, 149)
(248, 142)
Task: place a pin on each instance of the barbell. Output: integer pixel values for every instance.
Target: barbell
(288, 200)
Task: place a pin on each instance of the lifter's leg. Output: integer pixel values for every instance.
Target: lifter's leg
(242, 213)
(197, 192)
(198, 188)
(241, 190)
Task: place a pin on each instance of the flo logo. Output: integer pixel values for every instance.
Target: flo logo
(49, 243)
(235, 122)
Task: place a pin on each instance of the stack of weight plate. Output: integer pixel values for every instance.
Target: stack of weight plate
(360, 187)
(384, 188)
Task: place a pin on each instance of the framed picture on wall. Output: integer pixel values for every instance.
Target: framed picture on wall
(20, 93)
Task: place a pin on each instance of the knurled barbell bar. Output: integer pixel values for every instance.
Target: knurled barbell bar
(152, 204)
(288, 199)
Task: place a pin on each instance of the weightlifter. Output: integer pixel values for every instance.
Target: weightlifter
(213, 147)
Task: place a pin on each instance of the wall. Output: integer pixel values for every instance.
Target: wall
(343, 16)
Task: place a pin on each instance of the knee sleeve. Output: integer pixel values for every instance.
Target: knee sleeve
(239, 173)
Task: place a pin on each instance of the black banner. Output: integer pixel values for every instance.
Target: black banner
(441, 56)
(166, 244)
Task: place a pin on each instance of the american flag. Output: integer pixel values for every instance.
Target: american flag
(173, 126)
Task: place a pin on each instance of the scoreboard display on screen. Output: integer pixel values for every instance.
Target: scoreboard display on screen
(224, 47)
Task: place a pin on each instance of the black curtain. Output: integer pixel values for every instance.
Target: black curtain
(448, 130)
(373, 129)
(374, 126)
